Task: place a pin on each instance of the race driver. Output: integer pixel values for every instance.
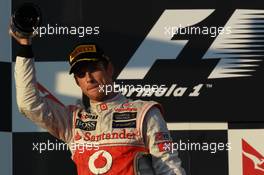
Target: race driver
(131, 136)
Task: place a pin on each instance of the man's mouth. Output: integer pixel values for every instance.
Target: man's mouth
(92, 87)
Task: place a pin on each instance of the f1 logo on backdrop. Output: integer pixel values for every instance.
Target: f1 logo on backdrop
(238, 50)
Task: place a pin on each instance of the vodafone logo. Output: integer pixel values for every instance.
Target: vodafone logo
(100, 162)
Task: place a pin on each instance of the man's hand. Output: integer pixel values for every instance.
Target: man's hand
(20, 40)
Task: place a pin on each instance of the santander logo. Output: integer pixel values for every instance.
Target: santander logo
(253, 161)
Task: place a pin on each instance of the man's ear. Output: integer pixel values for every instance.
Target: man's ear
(76, 81)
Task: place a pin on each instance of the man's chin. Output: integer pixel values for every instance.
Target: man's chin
(95, 95)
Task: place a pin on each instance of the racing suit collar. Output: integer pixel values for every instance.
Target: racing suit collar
(108, 104)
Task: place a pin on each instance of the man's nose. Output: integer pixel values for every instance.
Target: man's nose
(88, 76)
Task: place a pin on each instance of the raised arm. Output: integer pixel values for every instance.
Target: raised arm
(43, 111)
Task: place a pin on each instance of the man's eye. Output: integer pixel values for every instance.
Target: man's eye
(92, 68)
(80, 74)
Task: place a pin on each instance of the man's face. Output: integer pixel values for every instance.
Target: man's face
(90, 76)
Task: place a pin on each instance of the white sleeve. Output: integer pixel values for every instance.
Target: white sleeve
(43, 111)
(156, 136)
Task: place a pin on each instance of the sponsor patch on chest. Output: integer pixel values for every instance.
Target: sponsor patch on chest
(87, 126)
(128, 124)
(83, 115)
(124, 120)
(124, 116)
(126, 107)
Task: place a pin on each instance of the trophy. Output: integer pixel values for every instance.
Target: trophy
(24, 19)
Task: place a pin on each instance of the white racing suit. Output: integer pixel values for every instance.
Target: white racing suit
(109, 137)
